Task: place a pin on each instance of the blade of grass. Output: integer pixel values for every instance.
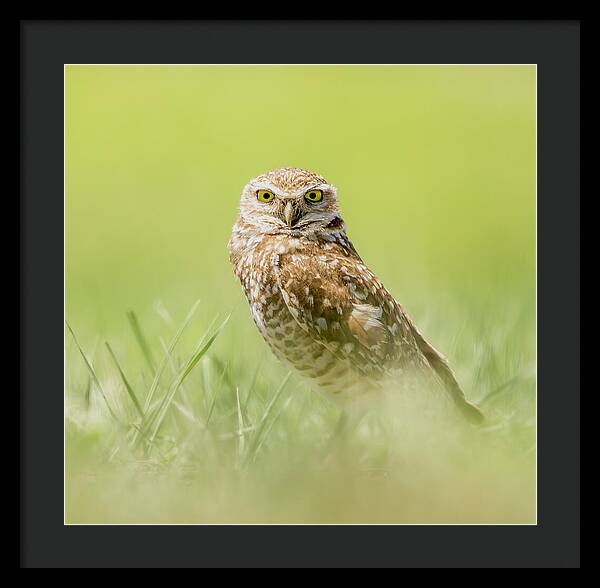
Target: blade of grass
(196, 356)
(241, 438)
(141, 340)
(254, 444)
(188, 414)
(128, 387)
(162, 311)
(93, 374)
(234, 434)
(88, 389)
(141, 433)
(228, 380)
(270, 426)
(216, 394)
(184, 393)
(167, 357)
(161, 369)
(500, 389)
(252, 385)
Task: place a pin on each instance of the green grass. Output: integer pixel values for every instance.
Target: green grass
(175, 414)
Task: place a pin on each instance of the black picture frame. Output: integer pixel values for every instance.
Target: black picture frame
(45, 46)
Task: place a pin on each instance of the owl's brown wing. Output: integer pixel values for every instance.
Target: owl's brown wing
(439, 363)
(344, 307)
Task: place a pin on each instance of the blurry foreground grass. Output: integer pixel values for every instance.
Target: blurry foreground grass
(228, 441)
(435, 169)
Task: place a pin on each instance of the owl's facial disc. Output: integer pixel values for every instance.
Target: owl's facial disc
(288, 201)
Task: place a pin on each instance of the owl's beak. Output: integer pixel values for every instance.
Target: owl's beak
(290, 214)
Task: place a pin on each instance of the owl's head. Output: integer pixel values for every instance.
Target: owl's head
(289, 200)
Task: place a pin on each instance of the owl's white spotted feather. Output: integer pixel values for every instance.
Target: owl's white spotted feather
(316, 303)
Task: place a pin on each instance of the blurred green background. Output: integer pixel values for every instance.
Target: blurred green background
(435, 168)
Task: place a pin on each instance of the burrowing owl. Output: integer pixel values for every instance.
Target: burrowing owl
(316, 303)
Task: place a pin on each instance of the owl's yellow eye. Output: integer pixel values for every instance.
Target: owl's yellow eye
(314, 195)
(265, 195)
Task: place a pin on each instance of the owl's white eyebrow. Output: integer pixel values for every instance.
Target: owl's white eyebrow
(320, 186)
(269, 188)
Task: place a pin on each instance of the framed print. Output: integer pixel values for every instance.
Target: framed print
(307, 295)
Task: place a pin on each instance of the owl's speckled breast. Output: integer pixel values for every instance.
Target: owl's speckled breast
(256, 271)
